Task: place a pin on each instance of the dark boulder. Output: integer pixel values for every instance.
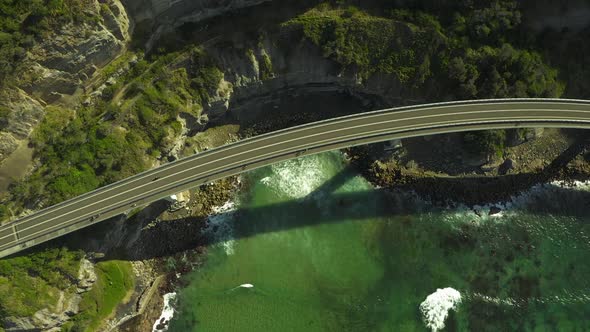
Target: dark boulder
(494, 210)
(506, 166)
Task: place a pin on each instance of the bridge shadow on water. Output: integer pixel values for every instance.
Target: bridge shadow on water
(327, 204)
(331, 203)
(322, 207)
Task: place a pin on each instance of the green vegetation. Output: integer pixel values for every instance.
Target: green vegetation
(502, 72)
(266, 67)
(371, 44)
(466, 57)
(4, 212)
(490, 142)
(4, 114)
(113, 284)
(23, 279)
(81, 152)
(22, 21)
(108, 70)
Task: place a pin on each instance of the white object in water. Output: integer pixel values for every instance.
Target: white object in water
(435, 308)
(241, 286)
(161, 325)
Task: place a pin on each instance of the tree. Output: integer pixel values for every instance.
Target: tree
(457, 70)
(487, 141)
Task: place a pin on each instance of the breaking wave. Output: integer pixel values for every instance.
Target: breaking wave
(220, 226)
(297, 178)
(565, 298)
(544, 197)
(437, 305)
(161, 324)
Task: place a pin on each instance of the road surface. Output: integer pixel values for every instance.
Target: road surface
(248, 154)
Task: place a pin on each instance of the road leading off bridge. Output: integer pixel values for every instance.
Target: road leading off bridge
(259, 151)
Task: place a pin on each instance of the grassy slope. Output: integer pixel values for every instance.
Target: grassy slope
(114, 283)
(46, 272)
(79, 152)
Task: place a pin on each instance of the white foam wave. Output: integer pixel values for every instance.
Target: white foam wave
(494, 300)
(547, 193)
(437, 305)
(266, 180)
(161, 324)
(550, 194)
(246, 286)
(220, 226)
(297, 178)
(566, 298)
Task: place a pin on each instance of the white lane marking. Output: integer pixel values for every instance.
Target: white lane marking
(557, 103)
(479, 121)
(275, 152)
(191, 182)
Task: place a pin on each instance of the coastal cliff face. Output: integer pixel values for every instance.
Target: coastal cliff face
(157, 17)
(25, 114)
(58, 66)
(61, 65)
(258, 73)
(68, 305)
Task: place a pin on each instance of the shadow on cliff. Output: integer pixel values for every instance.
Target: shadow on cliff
(241, 25)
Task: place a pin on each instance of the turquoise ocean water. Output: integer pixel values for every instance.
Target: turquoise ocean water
(309, 245)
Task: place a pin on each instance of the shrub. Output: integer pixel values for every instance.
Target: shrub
(114, 281)
(371, 44)
(490, 142)
(4, 114)
(24, 277)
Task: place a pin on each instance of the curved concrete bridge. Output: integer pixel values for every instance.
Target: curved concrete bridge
(248, 154)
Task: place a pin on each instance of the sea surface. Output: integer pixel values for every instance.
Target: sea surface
(309, 245)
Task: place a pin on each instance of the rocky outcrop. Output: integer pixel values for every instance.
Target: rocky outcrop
(25, 114)
(58, 65)
(52, 319)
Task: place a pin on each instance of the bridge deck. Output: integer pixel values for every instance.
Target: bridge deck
(358, 129)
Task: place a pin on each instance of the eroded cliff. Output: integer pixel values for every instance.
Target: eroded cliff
(57, 66)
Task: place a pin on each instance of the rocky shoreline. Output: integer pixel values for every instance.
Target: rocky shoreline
(164, 244)
(472, 189)
(441, 189)
(169, 245)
